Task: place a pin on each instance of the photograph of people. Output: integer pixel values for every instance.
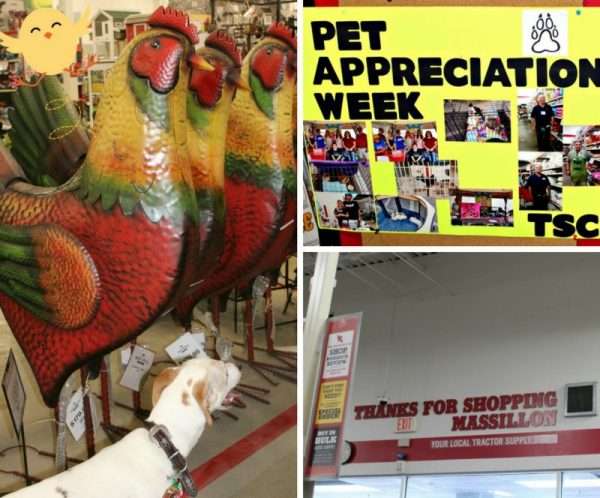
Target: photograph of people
(337, 156)
(479, 121)
(581, 156)
(414, 143)
(539, 187)
(540, 117)
(541, 122)
(346, 211)
(412, 147)
(540, 180)
(578, 161)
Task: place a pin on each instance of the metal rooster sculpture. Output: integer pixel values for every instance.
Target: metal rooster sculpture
(87, 266)
(260, 171)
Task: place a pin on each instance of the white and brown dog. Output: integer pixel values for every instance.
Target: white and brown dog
(138, 466)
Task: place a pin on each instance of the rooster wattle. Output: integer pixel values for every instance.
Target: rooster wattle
(87, 266)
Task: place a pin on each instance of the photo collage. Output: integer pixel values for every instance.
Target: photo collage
(337, 155)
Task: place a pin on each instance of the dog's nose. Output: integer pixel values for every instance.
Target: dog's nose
(48, 35)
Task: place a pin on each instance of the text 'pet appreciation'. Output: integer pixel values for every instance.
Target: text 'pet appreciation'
(479, 413)
(365, 38)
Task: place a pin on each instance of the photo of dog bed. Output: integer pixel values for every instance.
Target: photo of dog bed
(406, 213)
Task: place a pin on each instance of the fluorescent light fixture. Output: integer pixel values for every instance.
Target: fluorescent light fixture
(582, 483)
(502, 493)
(538, 484)
(348, 489)
(568, 483)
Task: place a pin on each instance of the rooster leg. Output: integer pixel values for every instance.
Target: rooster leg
(261, 288)
(87, 414)
(269, 323)
(113, 432)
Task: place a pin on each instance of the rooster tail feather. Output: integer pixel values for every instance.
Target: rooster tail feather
(47, 138)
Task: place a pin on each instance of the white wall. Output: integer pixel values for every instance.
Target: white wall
(513, 323)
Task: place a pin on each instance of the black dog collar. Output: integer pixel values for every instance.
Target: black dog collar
(160, 434)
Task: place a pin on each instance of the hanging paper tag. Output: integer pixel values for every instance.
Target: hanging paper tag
(139, 365)
(186, 346)
(125, 355)
(200, 339)
(75, 415)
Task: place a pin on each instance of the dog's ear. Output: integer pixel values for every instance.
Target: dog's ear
(162, 381)
(200, 392)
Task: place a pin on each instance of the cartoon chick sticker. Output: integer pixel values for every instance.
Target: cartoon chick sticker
(48, 40)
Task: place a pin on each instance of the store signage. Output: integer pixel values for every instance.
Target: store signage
(479, 413)
(406, 424)
(508, 445)
(338, 354)
(339, 357)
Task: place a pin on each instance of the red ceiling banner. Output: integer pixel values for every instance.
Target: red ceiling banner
(340, 347)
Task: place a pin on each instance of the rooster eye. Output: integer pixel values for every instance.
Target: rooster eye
(155, 43)
(269, 51)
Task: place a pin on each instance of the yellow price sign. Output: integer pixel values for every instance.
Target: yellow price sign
(330, 408)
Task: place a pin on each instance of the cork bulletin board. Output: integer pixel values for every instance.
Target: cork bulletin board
(454, 160)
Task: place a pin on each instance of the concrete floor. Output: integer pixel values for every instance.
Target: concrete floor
(527, 138)
(270, 472)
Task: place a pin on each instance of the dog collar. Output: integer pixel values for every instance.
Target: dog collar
(160, 435)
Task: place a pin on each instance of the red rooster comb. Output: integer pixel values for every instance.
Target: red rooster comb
(166, 17)
(222, 41)
(282, 32)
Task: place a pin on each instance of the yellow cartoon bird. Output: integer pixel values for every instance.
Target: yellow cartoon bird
(48, 40)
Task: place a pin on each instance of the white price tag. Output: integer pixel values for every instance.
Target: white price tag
(75, 415)
(139, 365)
(200, 339)
(186, 346)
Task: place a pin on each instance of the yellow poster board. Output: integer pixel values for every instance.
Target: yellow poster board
(454, 75)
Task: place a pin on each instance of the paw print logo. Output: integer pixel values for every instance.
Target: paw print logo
(544, 34)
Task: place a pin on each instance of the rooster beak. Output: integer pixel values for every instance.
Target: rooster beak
(199, 62)
(242, 85)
